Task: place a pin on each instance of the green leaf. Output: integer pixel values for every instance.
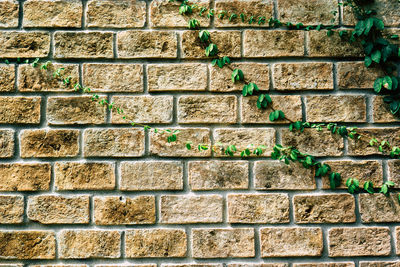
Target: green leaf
(244, 90)
(369, 187)
(368, 25)
(188, 146)
(367, 61)
(394, 106)
(376, 56)
(360, 27)
(272, 116)
(220, 63)
(379, 24)
(387, 83)
(378, 85)
(204, 35)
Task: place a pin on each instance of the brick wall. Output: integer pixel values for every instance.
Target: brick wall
(80, 187)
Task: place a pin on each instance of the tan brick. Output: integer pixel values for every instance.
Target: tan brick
(147, 44)
(11, 265)
(156, 175)
(378, 264)
(84, 176)
(291, 242)
(394, 172)
(49, 143)
(314, 142)
(27, 245)
(11, 209)
(381, 111)
(7, 77)
(87, 244)
(360, 241)
(362, 147)
(159, 145)
(192, 265)
(218, 175)
(59, 265)
(207, 109)
(177, 77)
(378, 208)
(143, 109)
(290, 105)
(259, 265)
(49, 13)
(320, 45)
(113, 77)
(127, 265)
(397, 240)
(354, 75)
(242, 138)
(191, 209)
(21, 110)
(155, 243)
(275, 175)
(9, 13)
(113, 142)
(258, 208)
(83, 45)
(277, 43)
(52, 209)
(228, 43)
(24, 44)
(325, 264)
(7, 143)
(116, 14)
(223, 243)
(25, 177)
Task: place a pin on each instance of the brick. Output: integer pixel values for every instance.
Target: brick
(157, 175)
(333, 208)
(23, 245)
(59, 265)
(360, 241)
(116, 14)
(155, 243)
(113, 142)
(325, 264)
(118, 210)
(147, 44)
(354, 75)
(207, 109)
(362, 147)
(259, 265)
(320, 45)
(7, 77)
(192, 265)
(314, 142)
(19, 110)
(88, 244)
(228, 43)
(48, 13)
(381, 111)
(258, 208)
(336, 108)
(242, 138)
(32, 79)
(191, 209)
(177, 77)
(127, 265)
(24, 44)
(223, 243)
(49, 143)
(11, 265)
(277, 43)
(6, 143)
(218, 175)
(164, 14)
(290, 105)
(113, 77)
(52, 209)
(291, 242)
(378, 208)
(11, 209)
(83, 45)
(397, 240)
(394, 172)
(25, 176)
(160, 147)
(303, 76)
(274, 175)
(378, 264)
(9, 13)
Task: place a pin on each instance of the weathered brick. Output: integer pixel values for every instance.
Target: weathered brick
(177, 77)
(84, 176)
(9, 13)
(25, 176)
(273, 43)
(113, 77)
(52, 209)
(191, 209)
(11, 209)
(118, 210)
(320, 45)
(21, 110)
(220, 175)
(49, 143)
(360, 241)
(362, 147)
(223, 243)
(291, 242)
(24, 44)
(116, 14)
(113, 142)
(11, 265)
(147, 44)
(378, 264)
(378, 208)
(49, 13)
(153, 175)
(86, 244)
(258, 265)
(290, 105)
(155, 243)
(394, 172)
(6, 143)
(192, 265)
(83, 45)
(59, 265)
(228, 43)
(128, 265)
(7, 77)
(381, 111)
(336, 108)
(354, 75)
(258, 208)
(207, 109)
(397, 240)
(274, 175)
(27, 245)
(325, 264)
